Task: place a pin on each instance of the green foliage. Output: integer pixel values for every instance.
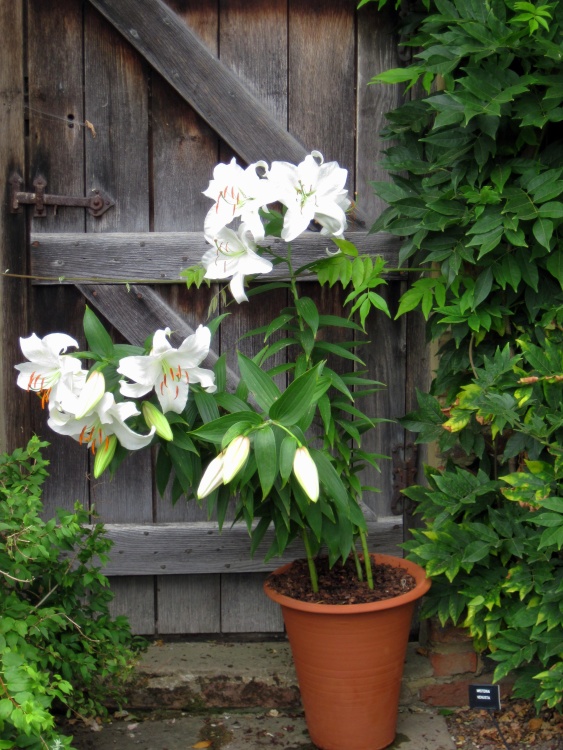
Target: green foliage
(477, 195)
(59, 648)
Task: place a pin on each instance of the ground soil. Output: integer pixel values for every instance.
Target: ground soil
(340, 584)
(520, 727)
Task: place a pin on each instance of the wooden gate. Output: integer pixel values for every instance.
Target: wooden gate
(140, 99)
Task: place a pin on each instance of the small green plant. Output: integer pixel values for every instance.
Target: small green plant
(59, 648)
(477, 195)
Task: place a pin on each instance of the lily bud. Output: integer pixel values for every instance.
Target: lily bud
(306, 473)
(91, 394)
(236, 454)
(104, 454)
(212, 477)
(155, 418)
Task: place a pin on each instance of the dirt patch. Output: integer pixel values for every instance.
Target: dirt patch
(340, 584)
(520, 727)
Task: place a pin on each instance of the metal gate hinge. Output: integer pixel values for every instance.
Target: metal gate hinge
(97, 204)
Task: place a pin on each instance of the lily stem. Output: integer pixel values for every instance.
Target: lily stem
(311, 563)
(359, 571)
(367, 558)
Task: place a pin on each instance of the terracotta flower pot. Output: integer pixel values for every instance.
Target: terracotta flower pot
(349, 661)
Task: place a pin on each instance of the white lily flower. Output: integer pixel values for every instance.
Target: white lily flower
(169, 371)
(106, 419)
(212, 477)
(237, 192)
(235, 257)
(306, 473)
(235, 457)
(90, 395)
(311, 190)
(49, 370)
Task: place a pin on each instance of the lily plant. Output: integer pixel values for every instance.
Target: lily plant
(286, 447)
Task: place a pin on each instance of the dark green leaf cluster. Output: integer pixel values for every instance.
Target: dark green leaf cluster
(477, 196)
(319, 410)
(59, 647)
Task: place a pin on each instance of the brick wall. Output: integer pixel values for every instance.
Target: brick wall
(442, 665)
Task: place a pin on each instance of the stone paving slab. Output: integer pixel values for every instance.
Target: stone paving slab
(200, 676)
(418, 728)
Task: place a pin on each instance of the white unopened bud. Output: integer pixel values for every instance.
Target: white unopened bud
(236, 454)
(306, 473)
(212, 477)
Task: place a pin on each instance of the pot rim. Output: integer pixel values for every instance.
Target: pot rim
(422, 585)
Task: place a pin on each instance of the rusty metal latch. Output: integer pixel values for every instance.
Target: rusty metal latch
(97, 204)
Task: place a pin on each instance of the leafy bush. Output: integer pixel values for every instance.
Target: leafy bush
(58, 645)
(477, 195)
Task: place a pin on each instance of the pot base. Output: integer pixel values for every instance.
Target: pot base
(349, 661)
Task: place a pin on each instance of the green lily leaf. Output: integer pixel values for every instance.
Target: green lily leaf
(266, 458)
(263, 388)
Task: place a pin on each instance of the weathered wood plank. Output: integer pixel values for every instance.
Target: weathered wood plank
(117, 160)
(245, 608)
(14, 414)
(178, 548)
(159, 257)
(134, 598)
(204, 81)
(321, 78)
(377, 51)
(209, 86)
(385, 362)
(56, 150)
(189, 604)
(184, 151)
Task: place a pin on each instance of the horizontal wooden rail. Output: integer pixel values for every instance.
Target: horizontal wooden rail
(159, 257)
(192, 548)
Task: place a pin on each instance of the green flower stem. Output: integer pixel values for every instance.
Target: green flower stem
(311, 563)
(358, 565)
(367, 558)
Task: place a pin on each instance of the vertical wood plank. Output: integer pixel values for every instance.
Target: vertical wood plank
(116, 160)
(377, 51)
(253, 44)
(14, 414)
(56, 150)
(385, 360)
(243, 609)
(184, 151)
(189, 604)
(134, 598)
(322, 78)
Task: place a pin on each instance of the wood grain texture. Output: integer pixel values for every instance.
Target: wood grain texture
(243, 609)
(377, 51)
(159, 257)
(385, 362)
(117, 160)
(254, 45)
(56, 150)
(134, 598)
(321, 78)
(177, 548)
(184, 152)
(189, 604)
(14, 414)
(184, 147)
(188, 65)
